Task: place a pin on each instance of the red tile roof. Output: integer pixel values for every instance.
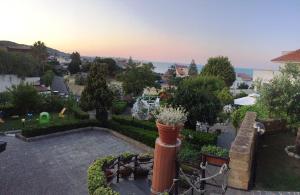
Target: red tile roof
(293, 56)
(244, 76)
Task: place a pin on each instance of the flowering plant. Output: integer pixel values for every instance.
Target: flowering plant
(171, 116)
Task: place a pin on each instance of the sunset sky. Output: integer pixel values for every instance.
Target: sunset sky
(250, 33)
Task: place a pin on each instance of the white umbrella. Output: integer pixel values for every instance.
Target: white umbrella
(244, 101)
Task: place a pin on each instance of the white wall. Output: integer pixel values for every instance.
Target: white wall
(264, 75)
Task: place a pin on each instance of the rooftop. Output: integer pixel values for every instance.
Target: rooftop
(293, 57)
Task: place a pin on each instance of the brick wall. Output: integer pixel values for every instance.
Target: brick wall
(241, 154)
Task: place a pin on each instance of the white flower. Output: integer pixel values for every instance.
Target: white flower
(171, 116)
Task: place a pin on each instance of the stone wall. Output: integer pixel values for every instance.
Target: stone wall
(241, 154)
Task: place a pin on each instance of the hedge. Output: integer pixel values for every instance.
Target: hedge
(96, 178)
(118, 107)
(37, 130)
(130, 121)
(7, 109)
(80, 114)
(199, 139)
(145, 136)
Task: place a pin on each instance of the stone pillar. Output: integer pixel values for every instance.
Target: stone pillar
(164, 166)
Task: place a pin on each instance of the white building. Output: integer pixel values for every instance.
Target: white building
(264, 75)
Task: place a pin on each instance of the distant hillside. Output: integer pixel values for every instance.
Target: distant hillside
(51, 51)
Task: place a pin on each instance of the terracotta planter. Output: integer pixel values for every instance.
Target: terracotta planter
(168, 134)
(215, 160)
(109, 175)
(141, 172)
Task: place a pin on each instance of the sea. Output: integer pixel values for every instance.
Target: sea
(162, 67)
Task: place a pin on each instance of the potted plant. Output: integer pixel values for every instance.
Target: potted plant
(215, 155)
(145, 157)
(126, 157)
(141, 172)
(125, 171)
(169, 122)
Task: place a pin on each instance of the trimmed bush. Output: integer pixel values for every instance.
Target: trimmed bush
(145, 136)
(96, 177)
(130, 121)
(37, 130)
(188, 153)
(199, 139)
(238, 115)
(215, 151)
(80, 114)
(118, 107)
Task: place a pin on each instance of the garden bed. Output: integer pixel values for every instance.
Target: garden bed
(275, 169)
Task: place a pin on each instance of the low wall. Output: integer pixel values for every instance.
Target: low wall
(241, 154)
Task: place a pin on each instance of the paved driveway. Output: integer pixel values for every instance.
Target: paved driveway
(56, 165)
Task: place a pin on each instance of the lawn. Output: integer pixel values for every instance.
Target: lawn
(275, 169)
(15, 124)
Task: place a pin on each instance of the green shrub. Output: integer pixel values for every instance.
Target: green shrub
(96, 176)
(145, 136)
(105, 191)
(80, 114)
(215, 151)
(128, 120)
(188, 153)
(238, 115)
(7, 109)
(118, 107)
(37, 129)
(199, 139)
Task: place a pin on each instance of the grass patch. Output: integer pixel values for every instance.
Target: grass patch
(277, 171)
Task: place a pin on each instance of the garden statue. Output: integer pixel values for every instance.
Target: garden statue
(44, 118)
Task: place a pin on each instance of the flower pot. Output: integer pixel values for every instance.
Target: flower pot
(109, 175)
(141, 172)
(168, 134)
(125, 172)
(216, 160)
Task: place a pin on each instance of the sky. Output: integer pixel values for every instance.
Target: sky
(250, 33)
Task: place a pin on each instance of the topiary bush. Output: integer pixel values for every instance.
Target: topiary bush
(118, 107)
(80, 114)
(199, 139)
(128, 120)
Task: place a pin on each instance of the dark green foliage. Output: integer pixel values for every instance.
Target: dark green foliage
(37, 129)
(145, 136)
(5, 97)
(25, 98)
(80, 79)
(47, 78)
(225, 96)
(243, 86)
(51, 103)
(7, 109)
(96, 93)
(130, 121)
(39, 51)
(240, 95)
(215, 151)
(105, 191)
(220, 67)
(199, 139)
(135, 79)
(74, 65)
(198, 95)
(112, 67)
(118, 107)
(80, 114)
(188, 153)
(238, 115)
(18, 63)
(193, 71)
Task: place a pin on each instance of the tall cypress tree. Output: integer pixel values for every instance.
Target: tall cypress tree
(193, 71)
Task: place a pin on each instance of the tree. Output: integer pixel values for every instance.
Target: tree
(135, 79)
(198, 95)
(243, 86)
(225, 96)
(112, 66)
(47, 78)
(39, 51)
(131, 63)
(25, 98)
(220, 67)
(193, 71)
(74, 65)
(96, 94)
